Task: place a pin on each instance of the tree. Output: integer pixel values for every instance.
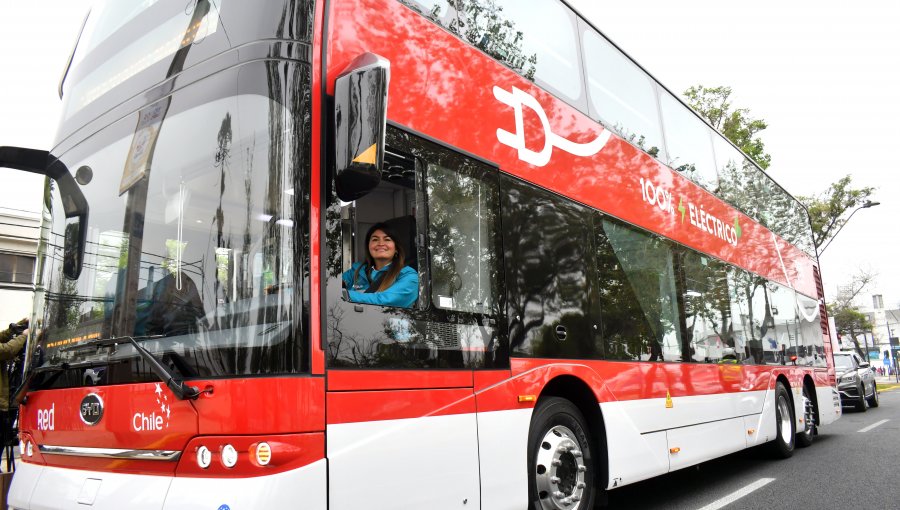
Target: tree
(828, 211)
(848, 320)
(736, 124)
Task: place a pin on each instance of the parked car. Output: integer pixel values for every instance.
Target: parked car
(856, 381)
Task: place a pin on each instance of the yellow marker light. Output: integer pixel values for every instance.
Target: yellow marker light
(669, 404)
(368, 155)
(750, 432)
(675, 450)
(263, 454)
(527, 398)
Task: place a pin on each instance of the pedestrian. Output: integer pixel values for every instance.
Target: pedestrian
(12, 340)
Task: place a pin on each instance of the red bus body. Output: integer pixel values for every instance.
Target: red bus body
(380, 438)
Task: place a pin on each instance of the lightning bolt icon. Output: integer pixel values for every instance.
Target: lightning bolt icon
(681, 208)
(737, 227)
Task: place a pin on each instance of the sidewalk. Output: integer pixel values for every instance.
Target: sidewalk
(887, 379)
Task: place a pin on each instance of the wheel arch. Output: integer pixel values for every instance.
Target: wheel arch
(583, 397)
(810, 386)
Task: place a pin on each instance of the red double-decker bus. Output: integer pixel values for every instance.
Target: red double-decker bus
(383, 254)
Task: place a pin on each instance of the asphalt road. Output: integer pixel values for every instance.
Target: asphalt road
(853, 463)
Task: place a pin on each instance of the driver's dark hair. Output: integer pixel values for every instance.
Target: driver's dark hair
(396, 264)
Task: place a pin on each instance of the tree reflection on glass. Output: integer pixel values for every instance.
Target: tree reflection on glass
(638, 301)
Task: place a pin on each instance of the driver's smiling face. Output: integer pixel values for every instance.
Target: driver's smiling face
(382, 248)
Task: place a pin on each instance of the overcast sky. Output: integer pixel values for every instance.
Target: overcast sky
(824, 75)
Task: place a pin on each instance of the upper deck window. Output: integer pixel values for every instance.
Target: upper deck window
(109, 52)
(688, 143)
(536, 38)
(621, 94)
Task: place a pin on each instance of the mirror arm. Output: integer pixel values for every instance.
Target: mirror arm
(43, 163)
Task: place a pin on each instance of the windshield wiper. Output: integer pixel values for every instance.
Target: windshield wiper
(176, 384)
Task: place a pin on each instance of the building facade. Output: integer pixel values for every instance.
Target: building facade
(19, 235)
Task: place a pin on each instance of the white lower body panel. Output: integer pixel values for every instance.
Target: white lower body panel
(48, 488)
(829, 404)
(503, 449)
(429, 462)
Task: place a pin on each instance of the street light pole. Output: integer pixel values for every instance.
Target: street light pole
(868, 204)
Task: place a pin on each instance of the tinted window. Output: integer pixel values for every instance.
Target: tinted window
(205, 249)
(637, 294)
(751, 314)
(536, 38)
(784, 312)
(442, 12)
(443, 208)
(621, 95)
(707, 310)
(812, 350)
(16, 268)
(547, 245)
(688, 143)
(462, 215)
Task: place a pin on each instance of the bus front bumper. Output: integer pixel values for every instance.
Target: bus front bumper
(42, 487)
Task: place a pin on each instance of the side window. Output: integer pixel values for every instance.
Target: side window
(441, 209)
(784, 312)
(638, 302)
(707, 310)
(812, 350)
(688, 143)
(547, 248)
(750, 313)
(463, 201)
(16, 268)
(536, 38)
(380, 228)
(620, 94)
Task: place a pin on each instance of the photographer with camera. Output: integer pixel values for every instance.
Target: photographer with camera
(12, 340)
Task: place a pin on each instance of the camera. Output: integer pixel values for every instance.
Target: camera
(17, 328)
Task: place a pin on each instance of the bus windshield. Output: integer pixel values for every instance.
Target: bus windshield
(191, 240)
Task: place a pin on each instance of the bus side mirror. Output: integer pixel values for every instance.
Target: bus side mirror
(360, 120)
(75, 205)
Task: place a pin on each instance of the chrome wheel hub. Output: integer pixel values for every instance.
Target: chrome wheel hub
(559, 470)
(784, 420)
(809, 415)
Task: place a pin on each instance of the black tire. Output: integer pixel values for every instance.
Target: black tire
(873, 400)
(805, 437)
(560, 458)
(861, 400)
(783, 445)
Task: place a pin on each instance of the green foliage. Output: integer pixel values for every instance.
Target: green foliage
(736, 124)
(849, 321)
(828, 211)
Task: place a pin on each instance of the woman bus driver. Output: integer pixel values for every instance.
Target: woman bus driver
(382, 279)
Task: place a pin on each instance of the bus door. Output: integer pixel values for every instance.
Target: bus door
(400, 404)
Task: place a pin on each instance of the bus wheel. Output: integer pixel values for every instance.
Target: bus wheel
(783, 446)
(805, 436)
(560, 461)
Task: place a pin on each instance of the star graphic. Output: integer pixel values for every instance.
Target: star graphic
(168, 412)
(162, 408)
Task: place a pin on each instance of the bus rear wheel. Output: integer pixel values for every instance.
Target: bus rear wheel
(783, 446)
(560, 460)
(805, 436)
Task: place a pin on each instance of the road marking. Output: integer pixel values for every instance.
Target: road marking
(738, 494)
(872, 426)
